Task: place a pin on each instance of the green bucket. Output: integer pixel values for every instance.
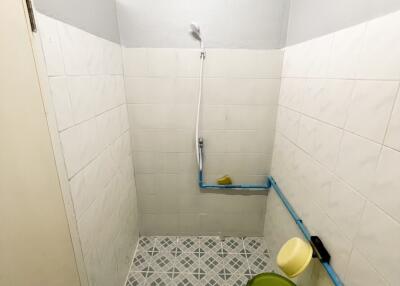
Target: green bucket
(270, 279)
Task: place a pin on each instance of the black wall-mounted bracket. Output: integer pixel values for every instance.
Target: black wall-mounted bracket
(320, 252)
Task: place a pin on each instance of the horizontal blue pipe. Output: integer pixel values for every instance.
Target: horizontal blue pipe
(271, 183)
(202, 185)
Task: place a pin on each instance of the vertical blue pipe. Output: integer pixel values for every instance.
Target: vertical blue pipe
(332, 274)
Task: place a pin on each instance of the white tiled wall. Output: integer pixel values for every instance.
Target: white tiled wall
(337, 149)
(241, 90)
(86, 81)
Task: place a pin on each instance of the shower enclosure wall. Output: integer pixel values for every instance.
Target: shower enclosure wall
(240, 94)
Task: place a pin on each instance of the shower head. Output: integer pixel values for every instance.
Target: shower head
(195, 32)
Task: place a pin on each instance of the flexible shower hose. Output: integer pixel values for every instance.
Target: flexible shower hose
(197, 137)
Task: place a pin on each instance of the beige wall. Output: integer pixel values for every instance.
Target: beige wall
(35, 245)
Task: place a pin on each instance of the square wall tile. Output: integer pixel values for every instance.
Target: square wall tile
(162, 62)
(385, 191)
(243, 63)
(327, 99)
(361, 273)
(380, 53)
(288, 123)
(161, 90)
(357, 161)
(51, 45)
(393, 132)
(345, 206)
(370, 108)
(135, 62)
(293, 91)
(377, 240)
(61, 102)
(346, 52)
(321, 52)
(321, 141)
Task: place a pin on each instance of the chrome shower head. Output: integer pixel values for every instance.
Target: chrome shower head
(195, 32)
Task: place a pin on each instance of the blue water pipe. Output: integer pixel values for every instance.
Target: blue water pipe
(328, 268)
(270, 182)
(203, 185)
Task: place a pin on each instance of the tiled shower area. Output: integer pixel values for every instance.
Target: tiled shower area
(318, 112)
(198, 260)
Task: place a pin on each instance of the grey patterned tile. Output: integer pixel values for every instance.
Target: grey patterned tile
(172, 272)
(260, 263)
(236, 280)
(187, 262)
(148, 271)
(140, 261)
(153, 250)
(166, 243)
(224, 273)
(255, 245)
(236, 264)
(232, 244)
(135, 279)
(185, 279)
(199, 252)
(162, 262)
(245, 253)
(212, 280)
(222, 253)
(197, 261)
(188, 243)
(210, 243)
(145, 243)
(159, 279)
(199, 273)
(250, 273)
(211, 263)
(176, 251)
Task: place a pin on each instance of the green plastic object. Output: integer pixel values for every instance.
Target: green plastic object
(270, 279)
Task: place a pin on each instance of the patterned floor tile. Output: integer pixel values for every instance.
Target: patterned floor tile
(153, 250)
(211, 263)
(210, 243)
(166, 243)
(199, 252)
(162, 262)
(187, 262)
(135, 279)
(260, 263)
(232, 244)
(236, 280)
(140, 261)
(212, 280)
(188, 243)
(159, 279)
(186, 279)
(145, 243)
(198, 261)
(236, 264)
(255, 245)
(250, 273)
